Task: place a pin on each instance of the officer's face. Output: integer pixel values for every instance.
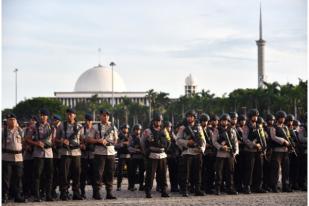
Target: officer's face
(169, 128)
(254, 118)
(157, 123)
(44, 118)
(125, 130)
(104, 117)
(234, 121)
(271, 122)
(204, 123)
(242, 123)
(32, 121)
(137, 132)
(71, 117)
(224, 123)
(88, 122)
(215, 123)
(190, 119)
(281, 120)
(11, 122)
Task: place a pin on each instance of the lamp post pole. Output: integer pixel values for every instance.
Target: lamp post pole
(15, 70)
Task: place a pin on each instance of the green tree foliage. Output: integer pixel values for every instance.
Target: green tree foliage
(271, 98)
(25, 109)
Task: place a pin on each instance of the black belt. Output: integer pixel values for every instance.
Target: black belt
(11, 151)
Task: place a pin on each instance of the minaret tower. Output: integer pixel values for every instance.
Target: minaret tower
(261, 54)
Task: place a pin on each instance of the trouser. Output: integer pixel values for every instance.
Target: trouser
(104, 168)
(208, 177)
(154, 166)
(240, 171)
(56, 176)
(172, 163)
(28, 178)
(253, 169)
(266, 174)
(134, 164)
(294, 171)
(87, 173)
(227, 164)
(190, 164)
(9, 170)
(70, 164)
(43, 175)
(120, 168)
(280, 159)
(303, 171)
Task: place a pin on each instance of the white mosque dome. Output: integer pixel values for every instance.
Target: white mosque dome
(99, 79)
(189, 80)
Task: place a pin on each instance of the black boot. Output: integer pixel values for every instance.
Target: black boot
(96, 195)
(77, 196)
(247, 190)
(148, 195)
(110, 196)
(218, 190)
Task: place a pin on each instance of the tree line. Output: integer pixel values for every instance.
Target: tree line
(269, 99)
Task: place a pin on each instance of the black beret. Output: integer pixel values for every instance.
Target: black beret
(44, 112)
(71, 110)
(88, 117)
(57, 117)
(104, 111)
(10, 115)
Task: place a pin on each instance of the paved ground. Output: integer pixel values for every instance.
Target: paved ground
(138, 198)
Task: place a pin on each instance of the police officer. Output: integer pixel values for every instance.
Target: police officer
(225, 140)
(12, 159)
(137, 158)
(104, 155)
(240, 159)
(270, 122)
(70, 152)
(57, 132)
(280, 143)
(210, 153)
(28, 159)
(173, 153)
(123, 154)
(154, 145)
(255, 149)
(208, 174)
(299, 180)
(87, 158)
(42, 156)
(191, 139)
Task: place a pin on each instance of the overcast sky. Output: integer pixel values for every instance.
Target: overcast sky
(155, 44)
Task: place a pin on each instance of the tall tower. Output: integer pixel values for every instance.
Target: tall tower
(261, 54)
(190, 86)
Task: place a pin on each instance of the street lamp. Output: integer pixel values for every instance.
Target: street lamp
(112, 64)
(15, 70)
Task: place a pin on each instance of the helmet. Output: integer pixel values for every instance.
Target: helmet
(157, 116)
(204, 117)
(225, 116)
(191, 113)
(289, 117)
(125, 126)
(88, 117)
(137, 126)
(260, 120)
(253, 112)
(233, 115)
(296, 123)
(270, 117)
(167, 124)
(280, 114)
(214, 117)
(242, 118)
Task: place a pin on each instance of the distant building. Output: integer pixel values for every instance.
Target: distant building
(98, 81)
(190, 86)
